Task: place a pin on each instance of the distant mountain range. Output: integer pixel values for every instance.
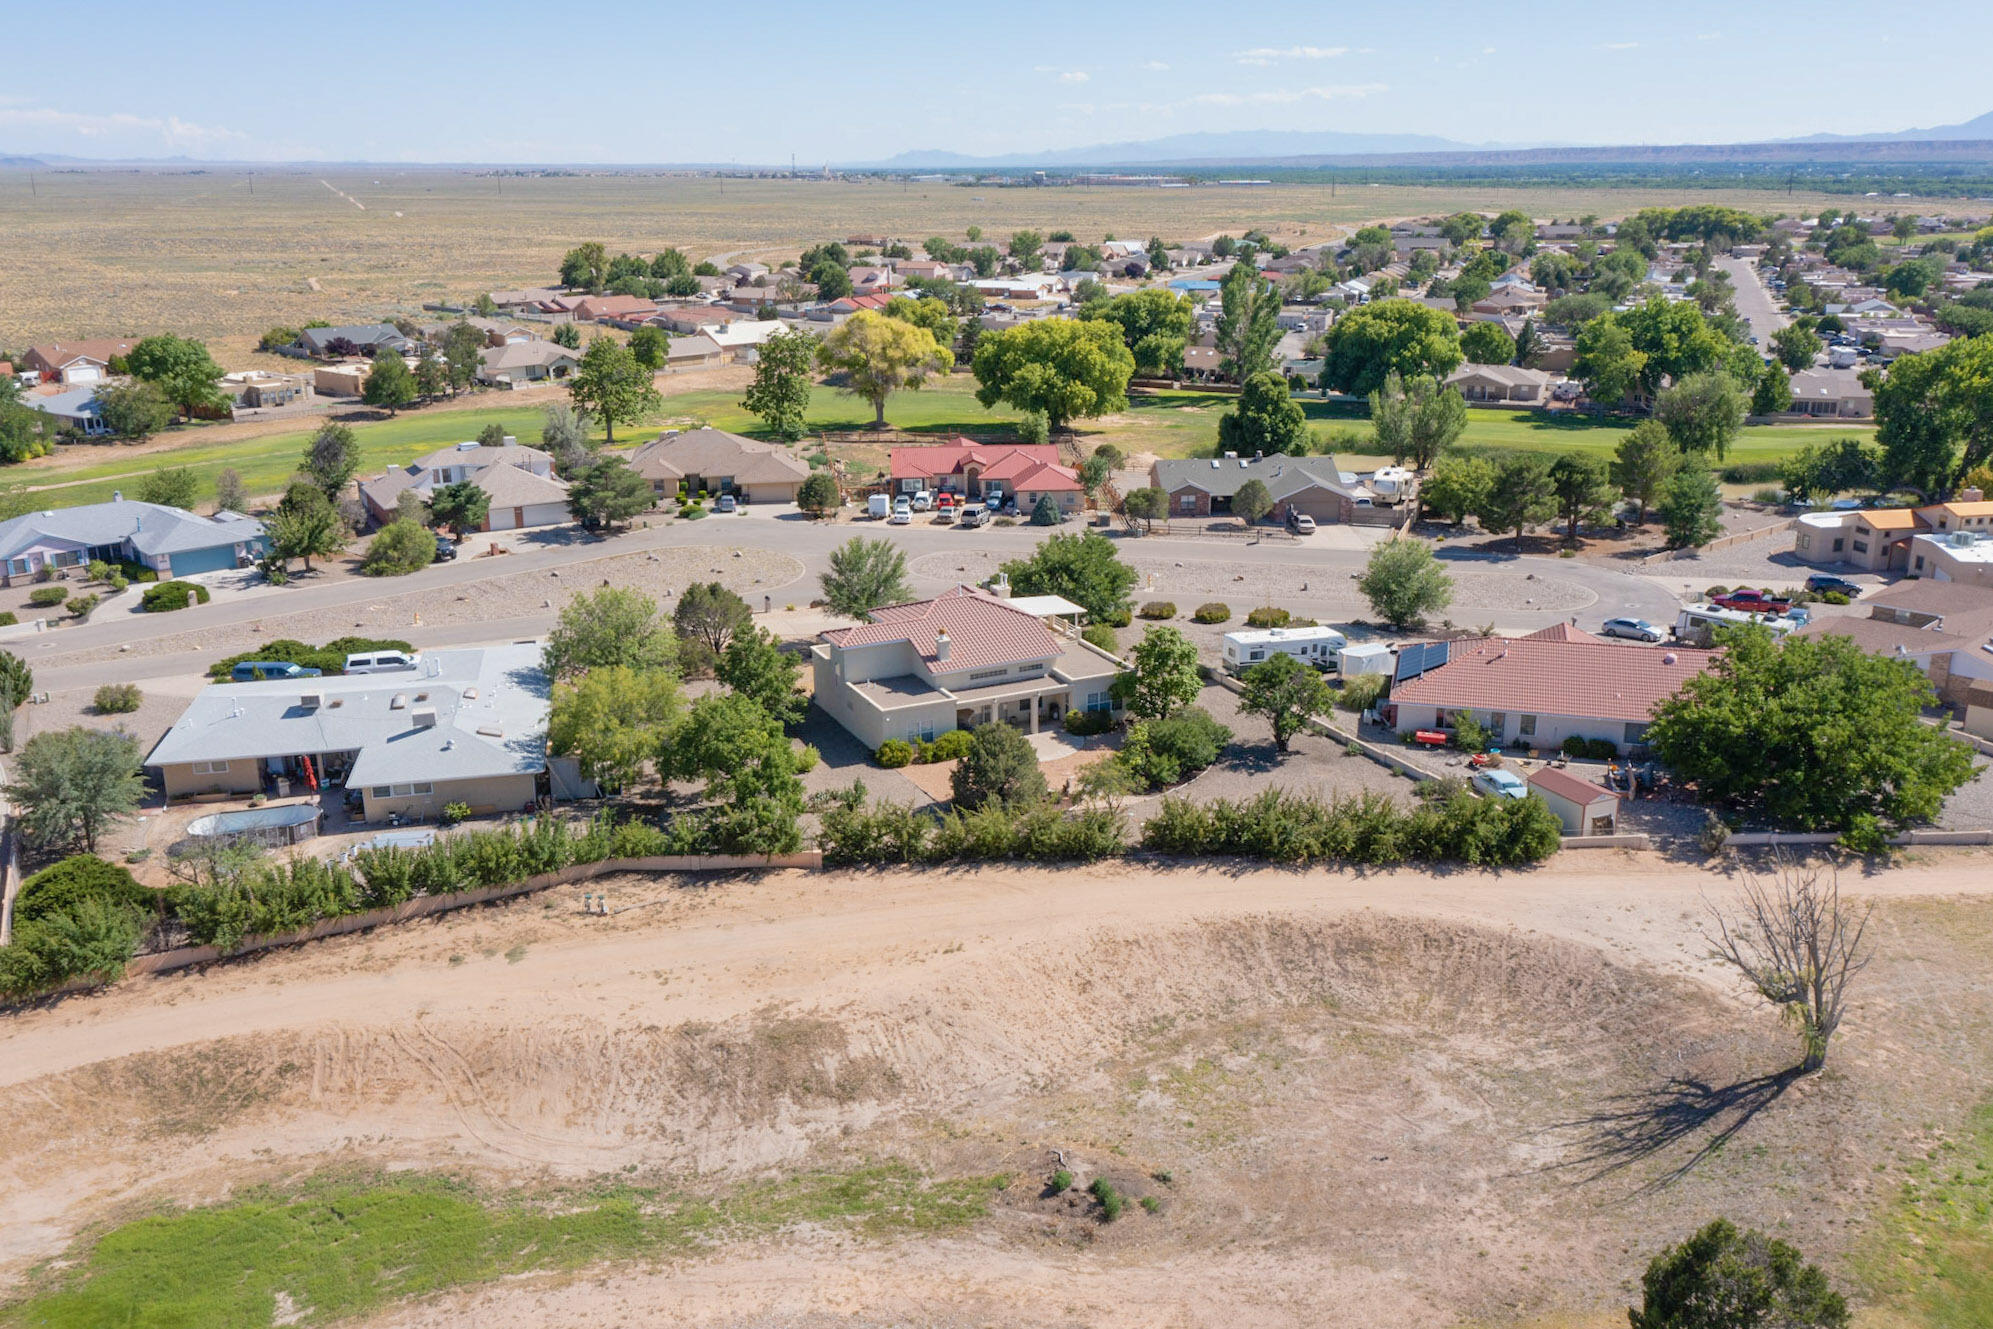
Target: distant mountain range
(1239, 145)
(1979, 129)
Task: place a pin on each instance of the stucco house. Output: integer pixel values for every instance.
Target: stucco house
(520, 482)
(1504, 384)
(73, 411)
(717, 462)
(962, 659)
(1891, 539)
(1023, 471)
(1836, 394)
(1204, 486)
(171, 541)
(1944, 628)
(76, 363)
(367, 339)
(519, 362)
(463, 726)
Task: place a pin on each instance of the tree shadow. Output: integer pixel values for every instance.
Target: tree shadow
(1632, 1128)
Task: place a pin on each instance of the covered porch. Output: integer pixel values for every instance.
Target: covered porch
(1029, 704)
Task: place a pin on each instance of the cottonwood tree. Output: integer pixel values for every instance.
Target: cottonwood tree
(331, 459)
(1287, 694)
(1065, 369)
(131, 410)
(651, 347)
(780, 390)
(1703, 412)
(609, 626)
(880, 356)
(389, 383)
(182, 370)
(1265, 418)
(755, 666)
(611, 386)
(1248, 322)
(1723, 1278)
(1385, 337)
(1417, 419)
(1798, 944)
(865, 574)
(1404, 583)
(1082, 567)
(614, 721)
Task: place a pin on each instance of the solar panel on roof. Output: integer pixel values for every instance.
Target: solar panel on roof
(1418, 658)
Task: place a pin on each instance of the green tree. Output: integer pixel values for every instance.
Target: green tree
(463, 355)
(755, 666)
(1584, 490)
(879, 356)
(331, 459)
(1146, 506)
(750, 772)
(1831, 468)
(1263, 419)
(1155, 325)
(1419, 420)
(707, 618)
(173, 487)
(650, 347)
(461, 507)
(934, 315)
(831, 279)
(1162, 677)
(1251, 501)
(610, 626)
(865, 574)
(230, 493)
(611, 386)
(1457, 487)
(1934, 414)
(999, 767)
(780, 390)
(564, 434)
(1773, 393)
(306, 525)
(1607, 362)
(568, 335)
(1702, 413)
(1676, 339)
(1691, 507)
(1518, 497)
(389, 383)
(1810, 732)
(1375, 340)
(1248, 322)
(1067, 369)
(1796, 344)
(1405, 583)
(606, 494)
(1487, 344)
(819, 494)
(182, 370)
(586, 266)
(71, 785)
(1287, 694)
(397, 549)
(614, 720)
(1081, 566)
(1645, 460)
(131, 410)
(432, 375)
(1025, 247)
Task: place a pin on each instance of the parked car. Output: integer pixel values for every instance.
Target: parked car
(1499, 784)
(250, 671)
(1301, 523)
(727, 503)
(974, 516)
(446, 549)
(902, 511)
(922, 501)
(1632, 629)
(944, 502)
(382, 662)
(1751, 602)
(992, 500)
(1821, 583)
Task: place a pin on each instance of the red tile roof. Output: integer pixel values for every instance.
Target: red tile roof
(1044, 478)
(1562, 632)
(999, 461)
(1582, 792)
(1544, 677)
(982, 631)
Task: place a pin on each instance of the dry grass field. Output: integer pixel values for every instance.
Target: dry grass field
(224, 253)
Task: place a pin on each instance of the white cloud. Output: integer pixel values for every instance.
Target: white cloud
(169, 131)
(1618, 46)
(1157, 66)
(1709, 36)
(1288, 96)
(1263, 55)
(1487, 50)
(1073, 76)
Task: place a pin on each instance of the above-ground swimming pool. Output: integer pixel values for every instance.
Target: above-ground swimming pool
(283, 823)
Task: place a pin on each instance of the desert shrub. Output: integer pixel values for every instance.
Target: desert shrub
(82, 606)
(118, 699)
(116, 583)
(1711, 592)
(97, 569)
(1266, 616)
(1151, 1205)
(1158, 753)
(1110, 1199)
(1117, 618)
(166, 596)
(894, 753)
(1361, 692)
(456, 812)
(1865, 834)
(1102, 636)
(951, 746)
(41, 597)
(1062, 1181)
(849, 831)
(1088, 723)
(1159, 609)
(1368, 829)
(1601, 749)
(807, 758)
(692, 512)
(1713, 834)
(1834, 597)
(8, 618)
(60, 887)
(1751, 472)
(95, 939)
(1770, 497)
(1574, 746)
(1469, 734)
(1212, 613)
(1040, 832)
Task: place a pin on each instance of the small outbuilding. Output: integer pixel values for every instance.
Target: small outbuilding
(1583, 807)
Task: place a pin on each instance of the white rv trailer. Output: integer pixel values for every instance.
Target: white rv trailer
(1316, 646)
(1695, 623)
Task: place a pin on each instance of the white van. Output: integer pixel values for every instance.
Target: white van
(1320, 647)
(382, 662)
(878, 507)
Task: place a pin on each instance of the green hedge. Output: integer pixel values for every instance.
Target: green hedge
(1088, 723)
(851, 832)
(42, 597)
(1592, 749)
(59, 887)
(1368, 829)
(1159, 609)
(166, 596)
(1213, 612)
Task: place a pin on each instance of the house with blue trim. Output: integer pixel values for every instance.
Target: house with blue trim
(171, 541)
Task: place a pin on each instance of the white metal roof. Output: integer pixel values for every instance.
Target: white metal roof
(1046, 606)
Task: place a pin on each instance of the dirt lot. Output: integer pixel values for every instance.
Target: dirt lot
(1389, 1099)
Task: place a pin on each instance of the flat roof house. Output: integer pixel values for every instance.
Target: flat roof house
(1889, 539)
(962, 659)
(519, 481)
(717, 462)
(1539, 690)
(1204, 486)
(464, 726)
(171, 541)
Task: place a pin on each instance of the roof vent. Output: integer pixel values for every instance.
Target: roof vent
(398, 702)
(424, 718)
(491, 731)
(1214, 463)
(471, 446)
(311, 701)
(1669, 658)
(470, 694)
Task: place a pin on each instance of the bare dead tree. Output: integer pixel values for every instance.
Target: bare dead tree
(1792, 938)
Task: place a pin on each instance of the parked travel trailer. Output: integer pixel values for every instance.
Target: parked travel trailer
(1695, 623)
(1391, 484)
(1319, 647)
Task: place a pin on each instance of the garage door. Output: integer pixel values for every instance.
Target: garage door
(204, 560)
(502, 519)
(1322, 507)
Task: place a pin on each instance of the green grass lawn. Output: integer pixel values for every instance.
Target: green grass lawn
(1169, 424)
(339, 1247)
(1930, 1258)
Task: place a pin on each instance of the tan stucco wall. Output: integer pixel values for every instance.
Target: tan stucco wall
(500, 793)
(243, 776)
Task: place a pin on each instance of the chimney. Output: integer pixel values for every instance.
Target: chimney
(941, 646)
(117, 496)
(1972, 494)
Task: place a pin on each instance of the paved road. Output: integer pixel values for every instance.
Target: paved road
(1335, 558)
(1754, 302)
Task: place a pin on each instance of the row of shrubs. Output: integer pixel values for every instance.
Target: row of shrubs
(895, 753)
(81, 604)
(1590, 749)
(166, 596)
(329, 658)
(850, 831)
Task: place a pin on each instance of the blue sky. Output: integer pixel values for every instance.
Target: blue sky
(504, 81)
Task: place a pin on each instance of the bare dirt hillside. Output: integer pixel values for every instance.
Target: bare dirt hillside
(1367, 1099)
